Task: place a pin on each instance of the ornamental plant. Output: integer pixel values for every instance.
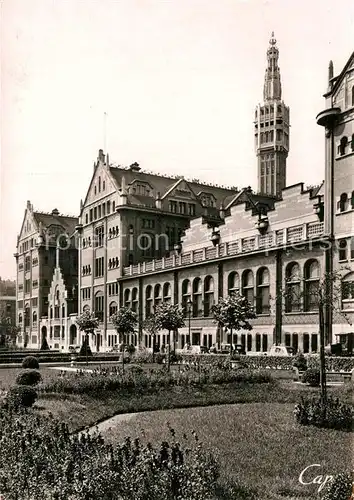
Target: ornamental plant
(233, 313)
(340, 488)
(28, 377)
(124, 321)
(311, 377)
(40, 458)
(87, 323)
(169, 317)
(329, 415)
(30, 362)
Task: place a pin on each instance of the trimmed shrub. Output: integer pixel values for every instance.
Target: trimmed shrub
(311, 377)
(300, 362)
(85, 350)
(130, 349)
(175, 358)
(21, 396)
(332, 415)
(30, 362)
(28, 377)
(142, 356)
(340, 488)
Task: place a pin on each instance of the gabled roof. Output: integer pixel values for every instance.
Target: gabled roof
(338, 79)
(164, 184)
(49, 219)
(252, 200)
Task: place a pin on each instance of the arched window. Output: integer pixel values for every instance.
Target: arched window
(343, 145)
(20, 318)
(347, 286)
(312, 277)
(157, 295)
(343, 202)
(352, 198)
(113, 307)
(34, 318)
(197, 298)
(262, 299)
(135, 299)
(103, 185)
(208, 295)
(292, 288)
(51, 313)
(148, 301)
(113, 206)
(99, 184)
(63, 311)
(86, 308)
(127, 298)
(167, 294)
(186, 295)
(248, 286)
(233, 283)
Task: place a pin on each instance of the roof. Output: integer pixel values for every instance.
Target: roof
(162, 184)
(49, 219)
(339, 78)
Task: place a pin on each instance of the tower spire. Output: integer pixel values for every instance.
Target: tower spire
(272, 129)
(272, 83)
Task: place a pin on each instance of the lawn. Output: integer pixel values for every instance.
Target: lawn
(257, 444)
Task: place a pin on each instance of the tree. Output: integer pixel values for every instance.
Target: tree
(233, 313)
(151, 326)
(169, 317)
(8, 331)
(87, 323)
(124, 322)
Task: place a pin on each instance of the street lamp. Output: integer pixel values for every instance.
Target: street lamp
(189, 305)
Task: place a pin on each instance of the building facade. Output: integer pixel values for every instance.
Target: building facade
(142, 239)
(35, 255)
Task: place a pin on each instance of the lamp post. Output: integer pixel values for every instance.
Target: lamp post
(189, 305)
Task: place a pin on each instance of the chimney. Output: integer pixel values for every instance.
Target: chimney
(330, 71)
(101, 156)
(158, 201)
(222, 211)
(134, 167)
(29, 206)
(55, 212)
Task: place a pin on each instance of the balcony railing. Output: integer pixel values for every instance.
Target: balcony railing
(271, 240)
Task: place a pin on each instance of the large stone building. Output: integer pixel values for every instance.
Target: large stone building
(36, 258)
(144, 238)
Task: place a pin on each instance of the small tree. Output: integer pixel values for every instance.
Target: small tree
(233, 313)
(169, 317)
(87, 323)
(124, 322)
(8, 331)
(151, 326)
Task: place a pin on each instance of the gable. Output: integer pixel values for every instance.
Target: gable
(343, 87)
(181, 191)
(101, 185)
(29, 226)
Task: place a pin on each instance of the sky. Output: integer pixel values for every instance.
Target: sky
(178, 79)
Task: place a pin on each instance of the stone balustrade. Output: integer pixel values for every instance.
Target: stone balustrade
(270, 240)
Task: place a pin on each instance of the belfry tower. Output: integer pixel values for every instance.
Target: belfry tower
(272, 129)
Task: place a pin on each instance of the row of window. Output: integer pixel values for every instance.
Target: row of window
(148, 224)
(113, 263)
(181, 207)
(113, 232)
(86, 270)
(25, 246)
(100, 211)
(113, 288)
(100, 185)
(86, 293)
(346, 202)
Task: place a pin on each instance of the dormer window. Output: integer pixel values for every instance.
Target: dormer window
(207, 200)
